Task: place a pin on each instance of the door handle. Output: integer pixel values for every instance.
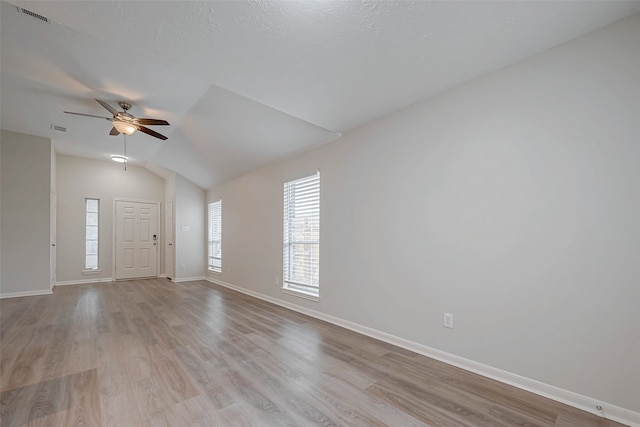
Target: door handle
(170, 244)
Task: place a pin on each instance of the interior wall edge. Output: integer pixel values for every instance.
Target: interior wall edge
(567, 397)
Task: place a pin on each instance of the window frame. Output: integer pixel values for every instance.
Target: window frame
(301, 218)
(211, 212)
(87, 226)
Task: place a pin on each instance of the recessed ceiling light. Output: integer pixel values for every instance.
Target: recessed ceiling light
(118, 158)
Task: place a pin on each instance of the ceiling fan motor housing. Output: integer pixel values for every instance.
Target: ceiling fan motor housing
(125, 116)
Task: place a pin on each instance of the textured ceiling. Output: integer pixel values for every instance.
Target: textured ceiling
(245, 83)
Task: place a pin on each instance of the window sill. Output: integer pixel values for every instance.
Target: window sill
(214, 271)
(300, 294)
(92, 271)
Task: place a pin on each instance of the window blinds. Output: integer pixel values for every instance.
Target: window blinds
(301, 257)
(214, 222)
(92, 213)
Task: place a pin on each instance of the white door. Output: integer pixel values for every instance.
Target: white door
(136, 239)
(170, 261)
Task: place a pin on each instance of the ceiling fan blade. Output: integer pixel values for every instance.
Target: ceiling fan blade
(152, 122)
(90, 115)
(114, 131)
(107, 106)
(151, 132)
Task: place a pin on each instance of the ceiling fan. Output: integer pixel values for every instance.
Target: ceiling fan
(126, 123)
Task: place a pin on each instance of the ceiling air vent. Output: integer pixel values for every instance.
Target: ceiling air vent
(59, 128)
(33, 14)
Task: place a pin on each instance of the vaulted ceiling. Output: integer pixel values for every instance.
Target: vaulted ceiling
(244, 83)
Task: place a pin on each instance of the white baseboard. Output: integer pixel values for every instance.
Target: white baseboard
(25, 293)
(187, 279)
(585, 403)
(162, 276)
(83, 281)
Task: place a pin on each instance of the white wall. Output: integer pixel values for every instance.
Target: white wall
(512, 202)
(170, 196)
(25, 178)
(0, 213)
(79, 178)
(190, 229)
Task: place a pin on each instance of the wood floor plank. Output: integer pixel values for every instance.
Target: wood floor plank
(152, 398)
(156, 353)
(170, 371)
(519, 401)
(207, 380)
(121, 323)
(118, 403)
(84, 408)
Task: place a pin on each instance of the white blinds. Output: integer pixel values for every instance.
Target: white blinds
(92, 214)
(301, 258)
(214, 222)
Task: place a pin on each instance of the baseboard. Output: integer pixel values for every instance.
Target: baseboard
(25, 294)
(187, 279)
(585, 403)
(162, 276)
(83, 281)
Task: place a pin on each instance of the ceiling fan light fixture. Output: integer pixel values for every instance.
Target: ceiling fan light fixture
(124, 127)
(118, 158)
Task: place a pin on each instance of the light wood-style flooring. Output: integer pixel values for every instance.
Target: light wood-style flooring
(152, 352)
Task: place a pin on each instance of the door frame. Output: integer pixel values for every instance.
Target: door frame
(170, 231)
(113, 232)
(53, 236)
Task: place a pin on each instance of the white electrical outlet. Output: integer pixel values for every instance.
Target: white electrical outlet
(277, 281)
(447, 320)
(183, 267)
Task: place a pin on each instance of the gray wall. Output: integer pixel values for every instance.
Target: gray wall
(190, 229)
(25, 194)
(512, 202)
(79, 178)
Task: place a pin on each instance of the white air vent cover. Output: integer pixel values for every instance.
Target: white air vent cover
(33, 14)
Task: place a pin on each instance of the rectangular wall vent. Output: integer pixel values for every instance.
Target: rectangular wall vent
(33, 14)
(59, 128)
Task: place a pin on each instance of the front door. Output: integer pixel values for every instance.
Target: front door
(136, 239)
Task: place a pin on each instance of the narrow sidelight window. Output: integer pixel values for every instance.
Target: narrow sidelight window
(301, 257)
(92, 215)
(214, 221)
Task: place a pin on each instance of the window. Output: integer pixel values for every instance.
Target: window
(92, 214)
(214, 221)
(301, 258)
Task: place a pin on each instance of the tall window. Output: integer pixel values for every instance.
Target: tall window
(301, 258)
(92, 214)
(214, 221)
